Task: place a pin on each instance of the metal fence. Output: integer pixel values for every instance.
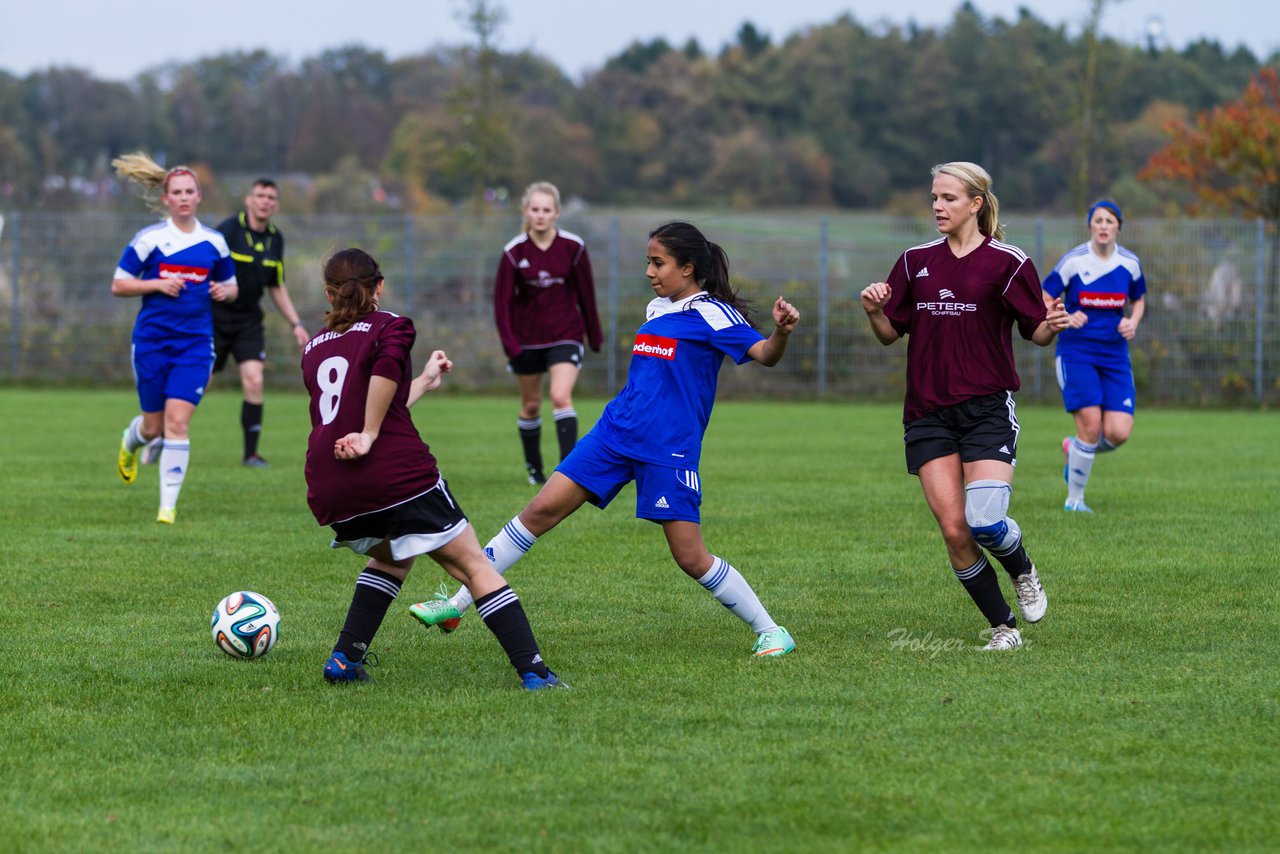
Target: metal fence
(1209, 338)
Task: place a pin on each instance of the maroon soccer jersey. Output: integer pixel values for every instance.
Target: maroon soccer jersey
(958, 313)
(543, 298)
(336, 368)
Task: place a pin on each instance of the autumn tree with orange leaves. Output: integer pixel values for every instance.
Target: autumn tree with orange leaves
(1230, 158)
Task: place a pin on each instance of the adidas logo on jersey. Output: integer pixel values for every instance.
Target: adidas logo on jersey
(661, 504)
(923, 274)
(524, 264)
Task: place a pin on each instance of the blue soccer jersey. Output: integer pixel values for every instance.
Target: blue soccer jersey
(662, 413)
(1099, 287)
(164, 251)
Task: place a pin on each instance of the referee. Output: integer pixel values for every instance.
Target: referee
(257, 247)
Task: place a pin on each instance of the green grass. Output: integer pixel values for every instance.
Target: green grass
(1142, 715)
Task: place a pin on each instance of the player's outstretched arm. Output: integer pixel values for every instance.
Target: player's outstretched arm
(353, 445)
(224, 291)
(1055, 321)
(769, 351)
(875, 297)
(122, 287)
(438, 364)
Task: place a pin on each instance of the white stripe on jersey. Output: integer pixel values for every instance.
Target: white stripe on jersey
(582, 244)
(906, 269)
(1010, 248)
(718, 315)
(1082, 249)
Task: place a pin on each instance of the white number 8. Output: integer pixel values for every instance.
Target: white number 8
(329, 377)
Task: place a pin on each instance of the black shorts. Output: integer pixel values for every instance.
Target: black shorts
(536, 360)
(980, 428)
(415, 527)
(243, 339)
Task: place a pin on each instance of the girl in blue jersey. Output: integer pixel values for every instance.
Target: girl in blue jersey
(1095, 280)
(178, 267)
(652, 431)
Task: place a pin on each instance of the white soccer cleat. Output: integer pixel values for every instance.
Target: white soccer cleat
(1003, 637)
(1032, 601)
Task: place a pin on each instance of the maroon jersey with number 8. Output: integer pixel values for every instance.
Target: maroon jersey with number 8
(336, 368)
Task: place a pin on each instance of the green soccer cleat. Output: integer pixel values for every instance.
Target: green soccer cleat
(777, 641)
(127, 460)
(447, 625)
(435, 612)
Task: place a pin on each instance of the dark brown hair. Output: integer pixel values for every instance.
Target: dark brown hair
(687, 245)
(351, 283)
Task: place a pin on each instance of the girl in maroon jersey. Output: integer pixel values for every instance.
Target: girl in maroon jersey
(544, 302)
(958, 298)
(372, 478)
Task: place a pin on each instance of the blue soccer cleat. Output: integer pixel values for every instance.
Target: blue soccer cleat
(534, 682)
(1076, 507)
(341, 669)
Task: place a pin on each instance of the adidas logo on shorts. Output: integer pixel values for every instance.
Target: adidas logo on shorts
(661, 504)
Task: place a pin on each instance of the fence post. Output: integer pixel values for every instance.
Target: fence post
(611, 334)
(823, 267)
(1259, 313)
(15, 336)
(1038, 357)
(408, 258)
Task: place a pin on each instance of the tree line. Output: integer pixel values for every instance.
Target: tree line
(838, 115)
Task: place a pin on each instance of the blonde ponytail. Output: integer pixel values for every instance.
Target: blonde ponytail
(149, 175)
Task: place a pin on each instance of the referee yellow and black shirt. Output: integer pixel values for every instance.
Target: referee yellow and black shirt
(259, 260)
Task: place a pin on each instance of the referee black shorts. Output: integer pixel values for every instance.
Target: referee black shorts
(244, 339)
(980, 428)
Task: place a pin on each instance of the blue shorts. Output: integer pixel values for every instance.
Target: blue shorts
(662, 493)
(1087, 382)
(171, 369)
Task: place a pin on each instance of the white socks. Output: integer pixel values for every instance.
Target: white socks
(507, 547)
(133, 438)
(173, 469)
(732, 591)
(1079, 465)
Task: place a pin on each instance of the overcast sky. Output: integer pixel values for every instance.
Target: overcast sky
(117, 40)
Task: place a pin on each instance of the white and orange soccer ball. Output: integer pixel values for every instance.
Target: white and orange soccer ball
(246, 625)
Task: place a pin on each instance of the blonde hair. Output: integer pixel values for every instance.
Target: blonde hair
(150, 176)
(545, 187)
(977, 183)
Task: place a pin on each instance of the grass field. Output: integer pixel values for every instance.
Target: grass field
(1141, 716)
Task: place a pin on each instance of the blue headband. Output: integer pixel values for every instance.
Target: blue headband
(1109, 205)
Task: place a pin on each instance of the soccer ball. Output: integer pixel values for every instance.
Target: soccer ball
(246, 625)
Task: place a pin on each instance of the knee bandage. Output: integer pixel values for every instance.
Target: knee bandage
(986, 505)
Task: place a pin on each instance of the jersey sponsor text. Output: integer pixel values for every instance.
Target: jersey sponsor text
(1102, 300)
(185, 274)
(655, 345)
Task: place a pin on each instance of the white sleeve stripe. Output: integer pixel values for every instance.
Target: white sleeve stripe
(1014, 276)
(1010, 248)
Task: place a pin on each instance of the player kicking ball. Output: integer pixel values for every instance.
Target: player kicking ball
(652, 432)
